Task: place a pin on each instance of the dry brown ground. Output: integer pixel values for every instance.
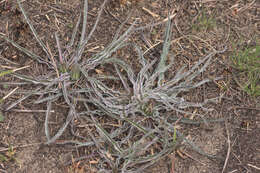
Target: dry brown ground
(227, 22)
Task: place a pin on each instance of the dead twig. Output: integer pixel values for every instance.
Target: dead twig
(158, 23)
(1, 170)
(30, 111)
(5, 97)
(253, 166)
(172, 157)
(229, 148)
(150, 12)
(188, 155)
(21, 146)
(237, 107)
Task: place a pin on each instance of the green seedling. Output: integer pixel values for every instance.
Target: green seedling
(5, 86)
(9, 155)
(75, 72)
(204, 22)
(63, 68)
(174, 138)
(247, 62)
(6, 72)
(1, 116)
(3, 158)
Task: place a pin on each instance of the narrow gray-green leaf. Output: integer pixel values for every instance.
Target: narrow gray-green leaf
(33, 30)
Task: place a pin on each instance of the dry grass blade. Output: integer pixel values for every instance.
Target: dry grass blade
(10, 93)
(165, 51)
(105, 55)
(72, 40)
(20, 100)
(84, 41)
(61, 130)
(47, 133)
(2, 73)
(122, 78)
(27, 52)
(33, 30)
(31, 79)
(59, 48)
(107, 136)
(50, 98)
(85, 14)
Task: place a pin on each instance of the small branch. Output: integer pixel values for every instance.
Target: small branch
(53, 63)
(229, 148)
(150, 12)
(172, 157)
(31, 111)
(237, 107)
(253, 166)
(21, 146)
(5, 97)
(158, 23)
(59, 48)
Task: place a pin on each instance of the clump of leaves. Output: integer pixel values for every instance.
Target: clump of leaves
(153, 98)
(142, 114)
(65, 70)
(247, 62)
